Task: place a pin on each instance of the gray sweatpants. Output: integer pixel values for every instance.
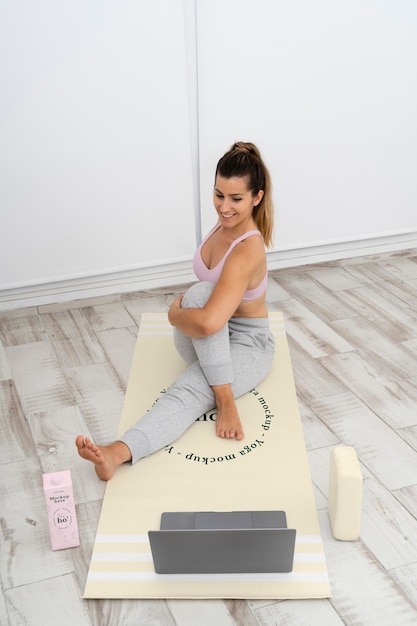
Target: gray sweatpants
(241, 353)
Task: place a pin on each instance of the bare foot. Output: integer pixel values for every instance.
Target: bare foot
(106, 459)
(228, 424)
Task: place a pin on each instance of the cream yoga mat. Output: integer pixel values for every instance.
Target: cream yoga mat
(268, 470)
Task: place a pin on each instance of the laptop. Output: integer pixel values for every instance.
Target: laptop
(226, 542)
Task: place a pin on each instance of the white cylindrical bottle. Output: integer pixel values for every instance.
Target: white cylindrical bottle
(62, 518)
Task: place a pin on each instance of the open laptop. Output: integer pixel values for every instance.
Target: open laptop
(222, 542)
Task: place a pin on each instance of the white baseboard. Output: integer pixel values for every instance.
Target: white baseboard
(96, 286)
(337, 251)
(178, 273)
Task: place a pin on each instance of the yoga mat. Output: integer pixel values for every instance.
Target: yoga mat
(202, 472)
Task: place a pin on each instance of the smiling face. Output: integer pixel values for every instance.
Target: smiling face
(234, 202)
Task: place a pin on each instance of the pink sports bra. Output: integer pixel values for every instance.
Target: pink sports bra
(212, 275)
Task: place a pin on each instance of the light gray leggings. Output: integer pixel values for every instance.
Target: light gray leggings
(241, 353)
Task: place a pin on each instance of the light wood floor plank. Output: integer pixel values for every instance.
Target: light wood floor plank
(131, 613)
(68, 325)
(5, 371)
(406, 578)
(325, 303)
(312, 379)
(300, 613)
(387, 529)
(363, 593)
(316, 433)
(119, 346)
(314, 336)
(52, 601)
(411, 347)
(336, 278)
(398, 362)
(409, 435)
(73, 338)
(393, 401)
(99, 394)
(136, 305)
(243, 612)
(408, 498)
(397, 324)
(16, 313)
(215, 612)
(39, 379)
(276, 292)
(403, 268)
(378, 446)
(400, 293)
(4, 614)
(15, 436)
(79, 351)
(108, 316)
(319, 460)
(21, 329)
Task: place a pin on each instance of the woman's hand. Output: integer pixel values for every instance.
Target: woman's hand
(174, 308)
(188, 321)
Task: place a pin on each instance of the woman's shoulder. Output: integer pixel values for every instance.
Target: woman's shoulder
(248, 249)
(250, 239)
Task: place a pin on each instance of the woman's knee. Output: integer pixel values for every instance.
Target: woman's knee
(197, 295)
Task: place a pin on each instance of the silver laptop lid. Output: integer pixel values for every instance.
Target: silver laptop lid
(222, 520)
(187, 549)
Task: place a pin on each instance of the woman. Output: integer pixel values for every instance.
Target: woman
(220, 324)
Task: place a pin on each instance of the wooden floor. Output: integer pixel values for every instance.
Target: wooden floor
(352, 328)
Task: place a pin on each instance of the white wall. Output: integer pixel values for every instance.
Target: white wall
(328, 90)
(96, 172)
(114, 112)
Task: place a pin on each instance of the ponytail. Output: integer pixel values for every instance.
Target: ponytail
(244, 160)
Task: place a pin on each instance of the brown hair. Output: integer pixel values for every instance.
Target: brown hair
(244, 160)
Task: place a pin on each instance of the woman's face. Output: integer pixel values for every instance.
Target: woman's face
(233, 200)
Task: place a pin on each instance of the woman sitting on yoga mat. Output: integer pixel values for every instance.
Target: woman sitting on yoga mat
(221, 324)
